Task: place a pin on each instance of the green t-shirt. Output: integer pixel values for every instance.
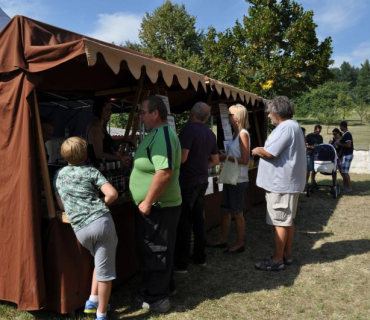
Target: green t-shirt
(159, 150)
(78, 188)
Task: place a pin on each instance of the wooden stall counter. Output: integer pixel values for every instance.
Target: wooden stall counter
(69, 266)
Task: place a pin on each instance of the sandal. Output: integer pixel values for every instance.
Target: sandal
(270, 265)
(288, 260)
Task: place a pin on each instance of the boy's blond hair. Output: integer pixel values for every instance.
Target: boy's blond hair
(74, 150)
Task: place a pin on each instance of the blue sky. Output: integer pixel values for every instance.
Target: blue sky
(346, 21)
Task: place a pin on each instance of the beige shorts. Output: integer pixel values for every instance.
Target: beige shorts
(281, 208)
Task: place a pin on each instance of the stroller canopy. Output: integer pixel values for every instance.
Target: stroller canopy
(325, 152)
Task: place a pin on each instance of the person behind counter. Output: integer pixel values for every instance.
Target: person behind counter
(47, 128)
(100, 143)
(232, 202)
(77, 192)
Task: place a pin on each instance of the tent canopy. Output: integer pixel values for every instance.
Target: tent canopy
(63, 65)
(76, 66)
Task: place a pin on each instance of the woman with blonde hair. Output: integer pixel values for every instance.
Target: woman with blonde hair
(238, 149)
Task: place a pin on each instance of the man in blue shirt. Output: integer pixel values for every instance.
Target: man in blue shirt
(199, 152)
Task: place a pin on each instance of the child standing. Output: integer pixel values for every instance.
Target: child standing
(77, 191)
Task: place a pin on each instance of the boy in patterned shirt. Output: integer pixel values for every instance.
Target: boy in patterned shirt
(77, 192)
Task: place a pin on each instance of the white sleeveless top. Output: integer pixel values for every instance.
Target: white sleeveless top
(233, 149)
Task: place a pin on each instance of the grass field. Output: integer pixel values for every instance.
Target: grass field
(360, 132)
(329, 279)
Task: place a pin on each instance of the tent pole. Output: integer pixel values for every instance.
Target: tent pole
(257, 125)
(135, 103)
(43, 164)
(137, 118)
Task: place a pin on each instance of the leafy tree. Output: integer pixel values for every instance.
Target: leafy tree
(363, 110)
(363, 84)
(169, 33)
(323, 103)
(348, 74)
(274, 51)
(134, 46)
(344, 101)
(336, 74)
(221, 56)
(119, 120)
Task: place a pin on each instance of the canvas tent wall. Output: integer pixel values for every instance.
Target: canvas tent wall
(36, 57)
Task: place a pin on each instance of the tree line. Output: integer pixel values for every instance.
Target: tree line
(348, 91)
(273, 50)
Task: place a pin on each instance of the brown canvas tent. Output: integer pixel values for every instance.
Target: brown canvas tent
(35, 57)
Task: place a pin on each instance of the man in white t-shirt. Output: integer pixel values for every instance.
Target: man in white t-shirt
(282, 173)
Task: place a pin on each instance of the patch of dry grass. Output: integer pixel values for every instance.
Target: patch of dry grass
(329, 279)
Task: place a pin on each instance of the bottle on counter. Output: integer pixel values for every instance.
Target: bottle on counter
(102, 168)
(120, 178)
(114, 175)
(108, 173)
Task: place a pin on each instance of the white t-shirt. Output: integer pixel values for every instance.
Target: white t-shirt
(233, 149)
(286, 173)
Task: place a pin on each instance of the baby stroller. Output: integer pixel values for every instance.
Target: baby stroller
(325, 162)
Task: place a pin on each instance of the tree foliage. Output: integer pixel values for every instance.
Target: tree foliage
(169, 33)
(346, 73)
(363, 83)
(274, 51)
(328, 103)
(363, 110)
(119, 120)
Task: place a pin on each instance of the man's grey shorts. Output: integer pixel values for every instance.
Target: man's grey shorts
(100, 238)
(281, 208)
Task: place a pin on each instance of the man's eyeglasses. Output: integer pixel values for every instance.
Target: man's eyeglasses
(142, 112)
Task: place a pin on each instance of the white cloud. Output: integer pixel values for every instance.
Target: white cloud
(339, 59)
(356, 57)
(335, 16)
(35, 9)
(117, 28)
(361, 53)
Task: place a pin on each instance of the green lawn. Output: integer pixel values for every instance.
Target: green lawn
(329, 278)
(360, 132)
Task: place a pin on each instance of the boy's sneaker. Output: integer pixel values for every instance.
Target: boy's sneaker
(201, 263)
(102, 318)
(160, 306)
(180, 270)
(91, 307)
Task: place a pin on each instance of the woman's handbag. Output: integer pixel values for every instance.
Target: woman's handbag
(229, 173)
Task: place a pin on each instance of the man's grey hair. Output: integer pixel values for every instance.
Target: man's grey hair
(280, 106)
(201, 111)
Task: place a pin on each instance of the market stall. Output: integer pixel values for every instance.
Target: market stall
(45, 70)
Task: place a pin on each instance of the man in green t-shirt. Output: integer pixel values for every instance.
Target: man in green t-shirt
(154, 185)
